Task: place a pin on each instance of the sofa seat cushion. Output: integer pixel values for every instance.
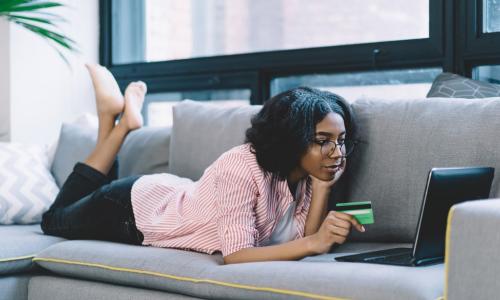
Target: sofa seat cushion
(204, 276)
(401, 141)
(14, 287)
(20, 243)
(52, 287)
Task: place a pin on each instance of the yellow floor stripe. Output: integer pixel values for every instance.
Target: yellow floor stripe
(447, 251)
(16, 258)
(194, 280)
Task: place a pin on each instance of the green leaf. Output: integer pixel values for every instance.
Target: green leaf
(33, 7)
(33, 19)
(56, 37)
(7, 5)
(30, 14)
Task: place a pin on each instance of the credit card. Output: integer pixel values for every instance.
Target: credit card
(362, 211)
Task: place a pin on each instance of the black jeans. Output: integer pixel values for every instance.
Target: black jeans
(91, 205)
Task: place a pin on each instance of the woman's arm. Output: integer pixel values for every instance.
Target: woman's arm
(317, 211)
(319, 202)
(292, 250)
(334, 229)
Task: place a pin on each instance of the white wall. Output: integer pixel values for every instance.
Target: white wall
(4, 81)
(44, 91)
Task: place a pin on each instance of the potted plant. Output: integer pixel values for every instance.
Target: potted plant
(32, 15)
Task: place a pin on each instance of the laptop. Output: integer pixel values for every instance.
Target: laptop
(445, 187)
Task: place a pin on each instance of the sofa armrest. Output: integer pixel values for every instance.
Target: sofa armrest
(472, 261)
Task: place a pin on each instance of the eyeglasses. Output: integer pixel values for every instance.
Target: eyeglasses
(328, 147)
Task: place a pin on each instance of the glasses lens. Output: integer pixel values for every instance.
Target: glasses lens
(346, 148)
(327, 148)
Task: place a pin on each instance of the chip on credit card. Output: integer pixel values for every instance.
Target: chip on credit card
(361, 211)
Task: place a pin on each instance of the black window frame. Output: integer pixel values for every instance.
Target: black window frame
(476, 47)
(453, 44)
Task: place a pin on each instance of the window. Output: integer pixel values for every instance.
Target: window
(399, 84)
(173, 29)
(158, 106)
(480, 46)
(487, 73)
(267, 46)
(491, 15)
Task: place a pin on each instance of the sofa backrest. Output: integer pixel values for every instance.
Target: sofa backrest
(403, 141)
(201, 132)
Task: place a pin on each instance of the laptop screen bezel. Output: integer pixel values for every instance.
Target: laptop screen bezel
(422, 207)
(486, 173)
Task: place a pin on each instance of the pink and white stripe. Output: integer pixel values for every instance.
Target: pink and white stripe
(234, 205)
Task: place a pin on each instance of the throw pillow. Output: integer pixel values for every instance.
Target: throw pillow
(27, 188)
(144, 151)
(450, 85)
(84, 120)
(75, 144)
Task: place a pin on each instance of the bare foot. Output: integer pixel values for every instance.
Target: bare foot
(109, 99)
(134, 98)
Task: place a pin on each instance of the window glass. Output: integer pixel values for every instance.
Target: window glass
(491, 15)
(157, 30)
(158, 107)
(397, 84)
(487, 73)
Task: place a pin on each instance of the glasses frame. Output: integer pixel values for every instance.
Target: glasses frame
(336, 144)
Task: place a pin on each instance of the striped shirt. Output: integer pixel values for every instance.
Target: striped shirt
(234, 205)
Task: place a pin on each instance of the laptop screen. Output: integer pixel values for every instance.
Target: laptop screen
(446, 187)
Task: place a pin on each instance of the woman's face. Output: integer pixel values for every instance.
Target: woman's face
(325, 164)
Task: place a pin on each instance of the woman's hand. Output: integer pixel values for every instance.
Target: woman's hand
(335, 229)
(320, 185)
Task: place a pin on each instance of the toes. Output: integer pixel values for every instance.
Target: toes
(142, 85)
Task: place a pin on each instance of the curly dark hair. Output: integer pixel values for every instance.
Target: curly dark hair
(284, 128)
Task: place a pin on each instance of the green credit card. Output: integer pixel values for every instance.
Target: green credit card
(362, 211)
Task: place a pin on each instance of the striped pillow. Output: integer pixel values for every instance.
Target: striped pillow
(27, 187)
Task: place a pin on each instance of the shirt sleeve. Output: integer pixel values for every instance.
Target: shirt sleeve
(236, 194)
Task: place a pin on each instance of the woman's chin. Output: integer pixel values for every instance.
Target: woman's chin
(326, 176)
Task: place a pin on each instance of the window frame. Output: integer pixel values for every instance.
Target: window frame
(255, 71)
(475, 47)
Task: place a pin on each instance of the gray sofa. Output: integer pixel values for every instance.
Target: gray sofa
(402, 141)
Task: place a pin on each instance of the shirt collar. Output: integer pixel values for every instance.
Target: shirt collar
(286, 196)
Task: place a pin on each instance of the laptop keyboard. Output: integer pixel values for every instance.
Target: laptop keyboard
(399, 258)
(396, 256)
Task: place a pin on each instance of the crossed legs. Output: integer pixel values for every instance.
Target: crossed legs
(110, 103)
(91, 204)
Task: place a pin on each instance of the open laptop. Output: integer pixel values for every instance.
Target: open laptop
(445, 187)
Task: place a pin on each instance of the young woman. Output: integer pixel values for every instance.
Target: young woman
(263, 200)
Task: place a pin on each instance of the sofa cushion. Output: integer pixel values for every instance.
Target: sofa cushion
(75, 144)
(456, 86)
(52, 287)
(27, 188)
(14, 287)
(403, 140)
(144, 151)
(472, 243)
(201, 132)
(20, 243)
(202, 275)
